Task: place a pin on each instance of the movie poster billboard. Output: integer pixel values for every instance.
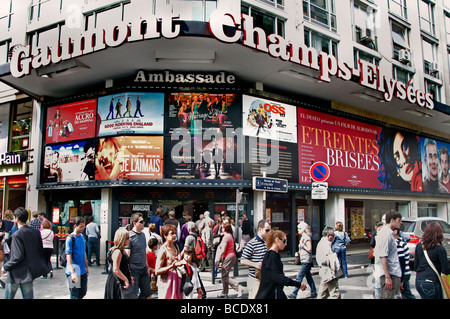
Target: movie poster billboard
(435, 167)
(203, 111)
(69, 162)
(131, 113)
(350, 149)
(268, 119)
(270, 129)
(192, 157)
(129, 157)
(70, 122)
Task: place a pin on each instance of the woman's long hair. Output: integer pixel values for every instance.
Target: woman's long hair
(120, 238)
(433, 236)
(272, 235)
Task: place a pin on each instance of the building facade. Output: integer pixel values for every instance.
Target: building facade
(118, 107)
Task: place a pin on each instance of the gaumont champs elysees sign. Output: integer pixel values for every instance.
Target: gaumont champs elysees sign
(72, 45)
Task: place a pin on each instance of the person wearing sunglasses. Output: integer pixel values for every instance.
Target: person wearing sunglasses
(273, 279)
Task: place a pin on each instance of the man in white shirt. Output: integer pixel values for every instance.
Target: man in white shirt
(93, 244)
(329, 285)
(386, 257)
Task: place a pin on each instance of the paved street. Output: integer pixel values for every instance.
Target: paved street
(358, 286)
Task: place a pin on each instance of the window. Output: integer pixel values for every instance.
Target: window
(431, 66)
(361, 55)
(401, 74)
(5, 15)
(271, 24)
(426, 210)
(433, 88)
(196, 10)
(320, 11)
(321, 43)
(400, 43)
(40, 8)
(4, 50)
(426, 11)
(447, 26)
(364, 25)
(398, 7)
(21, 126)
(276, 3)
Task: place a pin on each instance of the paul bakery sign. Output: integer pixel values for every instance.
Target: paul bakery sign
(73, 45)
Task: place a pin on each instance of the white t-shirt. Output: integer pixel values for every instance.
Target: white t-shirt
(386, 247)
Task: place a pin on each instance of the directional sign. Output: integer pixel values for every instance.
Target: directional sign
(319, 171)
(270, 184)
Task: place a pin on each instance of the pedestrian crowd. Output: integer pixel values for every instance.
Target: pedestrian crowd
(165, 259)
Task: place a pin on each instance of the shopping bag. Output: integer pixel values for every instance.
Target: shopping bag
(445, 282)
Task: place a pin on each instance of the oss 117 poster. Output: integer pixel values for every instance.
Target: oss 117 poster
(129, 157)
(70, 122)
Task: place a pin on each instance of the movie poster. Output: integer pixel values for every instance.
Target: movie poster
(129, 157)
(350, 148)
(400, 160)
(131, 113)
(70, 162)
(195, 158)
(198, 112)
(69, 122)
(270, 130)
(269, 119)
(435, 167)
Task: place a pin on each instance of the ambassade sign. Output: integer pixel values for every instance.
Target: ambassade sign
(72, 45)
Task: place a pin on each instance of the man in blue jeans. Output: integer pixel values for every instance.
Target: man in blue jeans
(77, 267)
(93, 245)
(305, 252)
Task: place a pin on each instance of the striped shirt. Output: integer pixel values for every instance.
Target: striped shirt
(254, 251)
(403, 256)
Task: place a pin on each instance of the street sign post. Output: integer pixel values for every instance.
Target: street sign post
(269, 184)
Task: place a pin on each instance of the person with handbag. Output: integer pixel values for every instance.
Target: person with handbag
(191, 281)
(430, 262)
(339, 244)
(305, 259)
(119, 284)
(273, 278)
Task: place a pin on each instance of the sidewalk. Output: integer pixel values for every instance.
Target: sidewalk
(56, 287)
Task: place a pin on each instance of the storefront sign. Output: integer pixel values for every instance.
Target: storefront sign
(69, 122)
(72, 44)
(10, 158)
(189, 78)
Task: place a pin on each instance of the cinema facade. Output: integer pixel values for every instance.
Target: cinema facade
(142, 106)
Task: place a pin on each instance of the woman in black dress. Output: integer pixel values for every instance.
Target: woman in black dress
(273, 279)
(119, 281)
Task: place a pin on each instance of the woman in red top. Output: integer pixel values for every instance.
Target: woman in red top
(227, 252)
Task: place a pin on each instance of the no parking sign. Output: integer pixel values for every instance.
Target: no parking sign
(319, 171)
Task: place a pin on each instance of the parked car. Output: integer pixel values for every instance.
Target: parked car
(414, 227)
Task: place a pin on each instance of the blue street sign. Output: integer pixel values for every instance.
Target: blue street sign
(269, 184)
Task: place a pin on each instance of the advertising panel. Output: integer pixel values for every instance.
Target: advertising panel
(138, 157)
(350, 149)
(69, 162)
(131, 113)
(70, 122)
(435, 167)
(269, 119)
(198, 112)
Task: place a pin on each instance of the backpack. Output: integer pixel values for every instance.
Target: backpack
(200, 248)
(62, 255)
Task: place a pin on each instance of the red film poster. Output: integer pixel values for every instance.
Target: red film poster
(350, 148)
(130, 157)
(69, 122)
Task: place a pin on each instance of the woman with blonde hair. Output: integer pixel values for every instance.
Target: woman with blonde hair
(339, 244)
(119, 284)
(273, 279)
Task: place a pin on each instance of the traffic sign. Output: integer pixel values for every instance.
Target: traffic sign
(319, 190)
(270, 184)
(319, 171)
